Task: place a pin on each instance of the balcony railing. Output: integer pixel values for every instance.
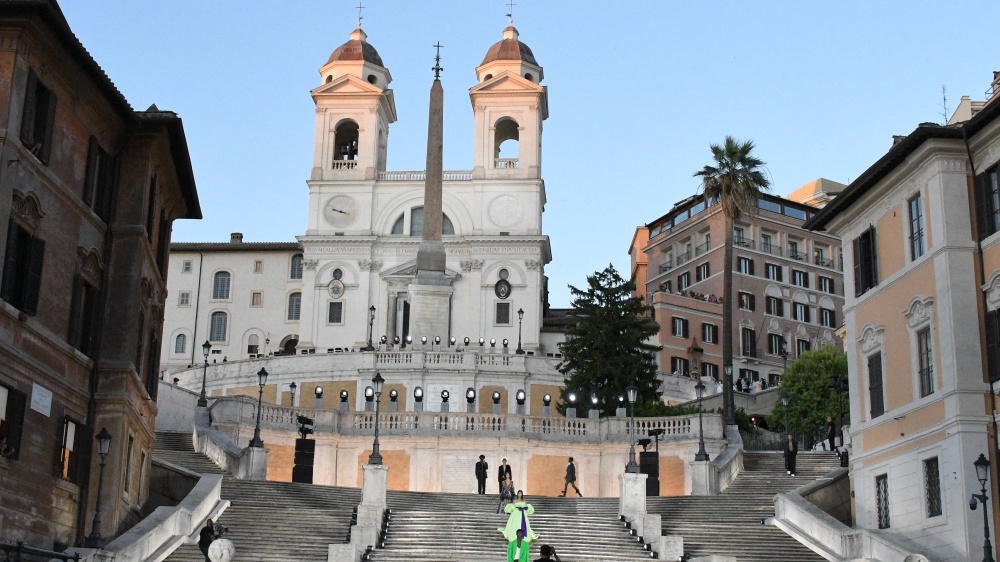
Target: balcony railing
(666, 266)
(818, 260)
(505, 163)
(801, 256)
(772, 249)
(702, 248)
(345, 165)
(682, 258)
(453, 175)
(743, 243)
(749, 351)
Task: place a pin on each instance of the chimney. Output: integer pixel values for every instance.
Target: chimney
(236, 238)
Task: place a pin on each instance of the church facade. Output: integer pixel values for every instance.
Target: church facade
(345, 282)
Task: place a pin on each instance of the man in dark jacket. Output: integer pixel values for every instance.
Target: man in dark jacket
(481, 467)
(790, 451)
(503, 472)
(570, 479)
(207, 536)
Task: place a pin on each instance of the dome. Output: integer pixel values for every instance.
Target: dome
(357, 49)
(509, 49)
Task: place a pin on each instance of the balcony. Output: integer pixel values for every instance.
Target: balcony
(795, 255)
(344, 165)
(683, 258)
(702, 248)
(743, 243)
(505, 163)
(666, 266)
(459, 175)
(772, 249)
(818, 260)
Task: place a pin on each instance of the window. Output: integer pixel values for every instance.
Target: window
(774, 344)
(683, 281)
(221, 284)
(667, 286)
(800, 278)
(22, 270)
(882, 500)
(800, 311)
(825, 284)
(775, 306)
(256, 299)
(180, 343)
(916, 227)
(186, 268)
(709, 333)
(294, 306)
(502, 317)
(38, 119)
(417, 223)
(793, 250)
(932, 487)
(865, 262)
(802, 346)
(73, 451)
(258, 266)
(748, 342)
(745, 265)
(993, 344)
(129, 447)
(925, 360)
(702, 272)
(680, 366)
(253, 344)
(296, 272)
(218, 326)
(336, 313)
(151, 208)
(82, 316)
(738, 235)
(99, 182)
(766, 244)
(184, 298)
(710, 370)
(746, 301)
(828, 318)
(773, 271)
(988, 203)
(875, 385)
(680, 327)
(12, 404)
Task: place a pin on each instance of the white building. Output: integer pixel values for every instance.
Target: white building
(364, 224)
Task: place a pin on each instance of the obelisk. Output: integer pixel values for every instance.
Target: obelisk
(430, 291)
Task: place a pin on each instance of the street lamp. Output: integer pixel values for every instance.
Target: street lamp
(206, 348)
(95, 540)
(371, 325)
(377, 381)
(470, 398)
(291, 390)
(319, 397)
(262, 380)
(520, 318)
(729, 405)
(701, 455)
(784, 402)
(982, 473)
(632, 467)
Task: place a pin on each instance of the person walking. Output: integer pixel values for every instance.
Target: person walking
(831, 432)
(517, 520)
(503, 473)
(481, 471)
(206, 537)
(517, 549)
(790, 451)
(570, 479)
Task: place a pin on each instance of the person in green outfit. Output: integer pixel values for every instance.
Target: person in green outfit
(518, 511)
(517, 550)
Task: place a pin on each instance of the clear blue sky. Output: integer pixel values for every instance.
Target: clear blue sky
(637, 92)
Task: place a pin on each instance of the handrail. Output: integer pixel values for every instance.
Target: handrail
(20, 548)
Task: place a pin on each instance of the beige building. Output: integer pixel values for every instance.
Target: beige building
(921, 330)
(89, 189)
(787, 286)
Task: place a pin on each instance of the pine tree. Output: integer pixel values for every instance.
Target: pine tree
(606, 349)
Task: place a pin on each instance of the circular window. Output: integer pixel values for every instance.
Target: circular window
(329, 79)
(504, 274)
(487, 77)
(529, 77)
(338, 274)
(372, 79)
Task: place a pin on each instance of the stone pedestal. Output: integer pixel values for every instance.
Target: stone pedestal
(594, 414)
(341, 553)
(373, 486)
(253, 464)
(620, 412)
(430, 308)
(570, 413)
(703, 479)
(670, 548)
(632, 495)
(496, 408)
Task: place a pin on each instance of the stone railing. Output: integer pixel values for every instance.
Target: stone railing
(241, 410)
(505, 163)
(248, 463)
(447, 175)
(344, 165)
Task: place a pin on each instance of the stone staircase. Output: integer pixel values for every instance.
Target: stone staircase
(730, 524)
(441, 527)
(267, 521)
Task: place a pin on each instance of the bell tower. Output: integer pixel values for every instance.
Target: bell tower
(509, 104)
(354, 107)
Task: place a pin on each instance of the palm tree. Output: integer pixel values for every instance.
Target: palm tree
(736, 181)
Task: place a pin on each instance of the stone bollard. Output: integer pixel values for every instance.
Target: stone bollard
(670, 548)
(632, 495)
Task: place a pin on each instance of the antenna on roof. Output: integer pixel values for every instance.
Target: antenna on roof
(944, 104)
(360, 7)
(510, 11)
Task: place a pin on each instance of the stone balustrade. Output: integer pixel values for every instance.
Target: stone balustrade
(448, 175)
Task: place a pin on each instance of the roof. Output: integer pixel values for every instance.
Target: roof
(179, 153)
(556, 319)
(509, 48)
(356, 49)
(235, 247)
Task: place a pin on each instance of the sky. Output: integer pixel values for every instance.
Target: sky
(638, 90)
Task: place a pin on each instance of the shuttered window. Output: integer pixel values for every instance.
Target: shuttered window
(12, 409)
(865, 262)
(83, 316)
(38, 118)
(22, 274)
(875, 385)
(993, 345)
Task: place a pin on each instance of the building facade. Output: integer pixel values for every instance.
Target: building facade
(921, 238)
(347, 276)
(89, 189)
(787, 289)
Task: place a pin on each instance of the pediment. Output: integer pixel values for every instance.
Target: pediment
(507, 82)
(347, 84)
(409, 269)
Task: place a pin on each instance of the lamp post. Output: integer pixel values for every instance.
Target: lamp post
(982, 473)
(319, 397)
(632, 467)
(262, 380)
(520, 318)
(784, 402)
(95, 540)
(701, 455)
(371, 326)
(470, 399)
(377, 381)
(729, 403)
(291, 390)
(206, 348)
